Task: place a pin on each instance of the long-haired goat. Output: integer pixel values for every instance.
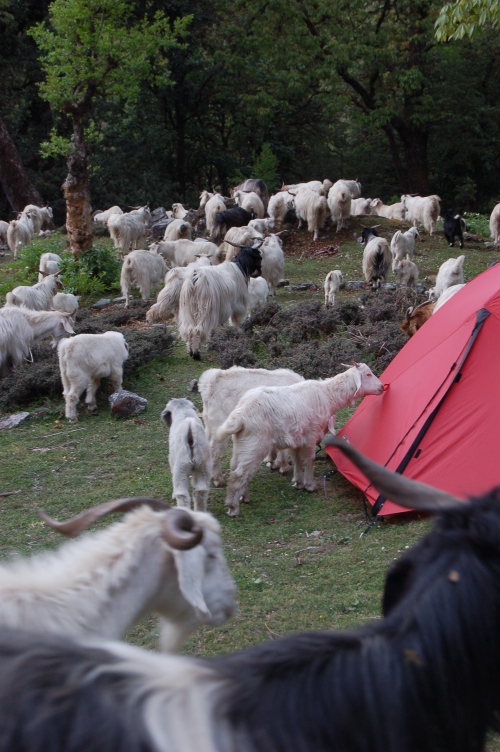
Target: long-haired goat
(295, 418)
(167, 303)
(20, 233)
(212, 295)
(451, 272)
(416, 317)
(403, 244)
(214, 204)
(425, 677)
(156, 560)
(390, 211)
(312, 208)
(256, 185)
(38, 297)
(128, 230)
(178, 229)
(376, 262)
(332, 284)
(495, 224)
(40, 216)
(144, 269)
(421, 210)
(50, 263)
(250, 201)
(236, 217)
(21, 327)
(339, 202)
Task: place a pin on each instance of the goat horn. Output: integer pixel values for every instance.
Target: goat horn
(403, 491)
(233, 244)
(181, 531)
(76, 525)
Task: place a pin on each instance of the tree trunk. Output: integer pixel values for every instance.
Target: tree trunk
(77, 193)
(415, 143)
(14, 179)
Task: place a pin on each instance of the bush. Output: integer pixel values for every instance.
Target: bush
(477, 224)
(91, 274)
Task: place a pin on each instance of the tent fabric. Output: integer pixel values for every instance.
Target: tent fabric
(442, 402)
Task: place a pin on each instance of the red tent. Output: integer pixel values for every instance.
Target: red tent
(439, 420)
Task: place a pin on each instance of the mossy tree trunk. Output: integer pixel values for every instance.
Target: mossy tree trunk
(14, 179)
(77, 192)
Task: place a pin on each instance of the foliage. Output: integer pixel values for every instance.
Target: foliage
(94, 272)
(266, 167)
(477, 224)
(464, 18)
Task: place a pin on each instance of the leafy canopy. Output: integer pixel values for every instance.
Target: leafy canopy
(464, 17)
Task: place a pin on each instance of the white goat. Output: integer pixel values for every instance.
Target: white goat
(332, 284)
(279, 206)
(361, 207)
(390, 211)
(65, 302)
(450, 273)
(184, 252)
(317, 186)
(4, 226)
(214, 204)
(128, 230)
(273, 261)
(178, 230)
(105, 582)
(403, 244)
(37, 297)
(421, 210)
(144, 269)
(446, 295)
(251, 202)
(354, 186)
(49, 264)
(19, 233)
(212, 295)
(339, 202)
(40, 216)
(406, 272)
(178, 211)
(105, 215)
(189, 454)
(312, 208)
(258, 291)
(376, 262)
(21, 327)
(236, 238)
(221, 390)
(293, 417)
(86, 359)
(262, 225)
(167, 303)
(495, 224)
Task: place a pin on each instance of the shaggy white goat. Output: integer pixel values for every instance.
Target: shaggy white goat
(406, 272)
(189, 454)
(19, 233)
(167, 303)
(354, 186)
(390, 211)
(184, 252)
(65, 302)
(495, 224)
(105, 582)
(332, 284)
(279, 206)
(212, 295)
(361, 207)
(214, 204)
(4, 226)
(293, 417)
(403, 244)
(128, 230)
(446, 295)
(49, 264)
(86, 359)
(262, 225)
(376, 262)
(178, 229)
(144, 269)
(37, 297)
(221, 390)
(317, 186)
(40, 216)
(21, 327)
(421, 210)
(273, 261)
(312, 208)
(236, 238)
(339, 203)
(105, 215)
(251, 202)
(178, 211)
(450, 273)
(258, 291)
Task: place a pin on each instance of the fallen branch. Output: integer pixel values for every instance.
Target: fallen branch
(9, 493)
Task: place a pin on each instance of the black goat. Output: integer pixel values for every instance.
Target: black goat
(236, 217)
(367, 233)
(453, 226)
(426, 677)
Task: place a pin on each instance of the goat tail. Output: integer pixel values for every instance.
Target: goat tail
(11, 299)
(233, 424)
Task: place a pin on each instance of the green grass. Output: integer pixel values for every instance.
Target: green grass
(298, 559)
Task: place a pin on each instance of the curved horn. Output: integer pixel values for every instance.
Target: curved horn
(233, 244)
(403, 491)
(181, 531)
(76, 525)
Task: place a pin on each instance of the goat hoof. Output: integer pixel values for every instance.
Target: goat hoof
(219, 483)
(232, 512)
(73, 420)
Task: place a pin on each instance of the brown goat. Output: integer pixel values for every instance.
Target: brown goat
(416, 317)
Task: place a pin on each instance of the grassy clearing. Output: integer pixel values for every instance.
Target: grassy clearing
(298, 558)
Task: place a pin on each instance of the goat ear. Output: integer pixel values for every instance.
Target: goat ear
(190, 567)
(166, 417)
(67, 325)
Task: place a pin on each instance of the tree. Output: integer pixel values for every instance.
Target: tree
(14, 179)
(91, 50)
(464, 17)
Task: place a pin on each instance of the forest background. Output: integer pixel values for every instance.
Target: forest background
(280, 89)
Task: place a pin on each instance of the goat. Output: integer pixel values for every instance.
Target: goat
(144, 269)
(416, 317)
(21, 327)
(128, 230)
(446, 295)
(453, 225)
(189, 454)
(236, 238)
(105, 215)
(332, 284)
(221, 390)
(4, 226)
(376, 262)
(40, 216)
(214, 204)
(178, 229)
(368, 233)
(450, 273)
(251, 202)
(403, 244)
(184, 252)
(279, 206)
(262, 225)
(212, 295)
(361, 207)
(20, 233)
(273, 262)
(495, 224)
(236, 217)
(167, 303)
(86, 359)
(406, 272)
(178, 211)
(156, 560)
(295, 418)
(421, 210)
(339, 202)
(38, 297)
(391, 211)
(312, 208)
(258, 292)
(257, 186)
(312, 185)
(49, 264)
(435, 651)
(66, 302)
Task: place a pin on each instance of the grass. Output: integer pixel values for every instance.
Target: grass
(298, 559)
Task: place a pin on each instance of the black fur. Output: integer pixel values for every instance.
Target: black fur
(256, 185)
(453, 226)
(367, 233)
(236, 217)
(249, 262)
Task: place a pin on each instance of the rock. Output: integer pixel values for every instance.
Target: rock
(421, 288)
(355, 285)
(121, 299)
(13, 420)
(102, 303)
(283, 283)
(127, 403)
(158, 229)
(157, 214)
(388, 286)
(298, 288)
